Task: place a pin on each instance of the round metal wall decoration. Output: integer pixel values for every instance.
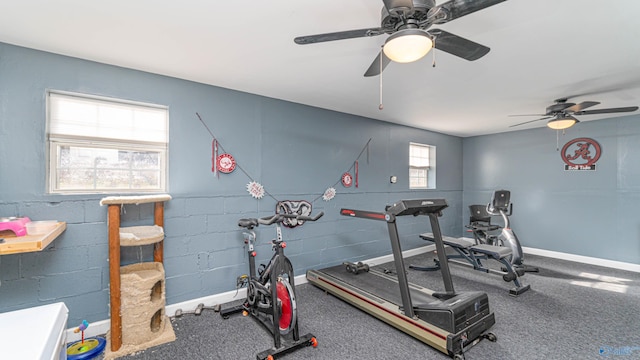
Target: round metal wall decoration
(581, 154)
(347, 179)
(226, 163)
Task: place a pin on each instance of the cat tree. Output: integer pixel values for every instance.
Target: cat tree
(137, 291)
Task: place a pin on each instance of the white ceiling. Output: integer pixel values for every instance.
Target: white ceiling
(541, 50)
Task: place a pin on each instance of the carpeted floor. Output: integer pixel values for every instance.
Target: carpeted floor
(573, 311)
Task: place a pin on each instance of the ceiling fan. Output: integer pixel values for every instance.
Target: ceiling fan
(560, 114)
(408, 23)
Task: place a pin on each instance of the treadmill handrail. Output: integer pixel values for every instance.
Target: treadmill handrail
(413, 207)
(417, 207)
(371, 215)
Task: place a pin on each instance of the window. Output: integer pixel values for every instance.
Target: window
(102, 145)
(422, 166)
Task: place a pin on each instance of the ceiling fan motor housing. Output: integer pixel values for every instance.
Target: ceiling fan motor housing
(555, 108)
(392, 19)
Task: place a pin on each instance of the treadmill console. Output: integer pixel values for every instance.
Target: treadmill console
(417, 207)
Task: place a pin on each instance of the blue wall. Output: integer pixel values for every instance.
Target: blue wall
(590, 213)
(295, 151)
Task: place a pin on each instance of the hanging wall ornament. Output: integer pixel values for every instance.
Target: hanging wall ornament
(356, 172)
(329, 194)
(288, 207)
(347, 179)
(255, 189)
(214, 156)
(225, 163)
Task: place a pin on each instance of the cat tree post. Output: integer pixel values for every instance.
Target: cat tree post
(114, 275)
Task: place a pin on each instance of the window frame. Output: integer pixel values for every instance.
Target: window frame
(54, 142)
(429, 178)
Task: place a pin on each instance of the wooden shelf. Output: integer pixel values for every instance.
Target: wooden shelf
(20, 244)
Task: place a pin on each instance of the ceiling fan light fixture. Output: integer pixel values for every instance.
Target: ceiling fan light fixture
(407, 45)
(562, 122)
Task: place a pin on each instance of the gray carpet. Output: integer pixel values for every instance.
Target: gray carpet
(573, 311)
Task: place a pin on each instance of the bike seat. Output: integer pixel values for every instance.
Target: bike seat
(461, 243)
(248, 223)
(483, 227)
(496, 252)
(480, 219)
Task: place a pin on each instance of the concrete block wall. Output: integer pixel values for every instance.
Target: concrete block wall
(203, 248)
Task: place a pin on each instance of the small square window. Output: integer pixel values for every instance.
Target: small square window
(421, 166)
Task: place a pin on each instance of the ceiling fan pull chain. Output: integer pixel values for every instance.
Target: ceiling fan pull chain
(557, 140)
(433, 53)
(381, 106)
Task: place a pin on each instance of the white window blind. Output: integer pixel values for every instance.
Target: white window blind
(418, 155)
(76, 116)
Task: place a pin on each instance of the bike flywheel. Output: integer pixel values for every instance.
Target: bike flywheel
(287, 306)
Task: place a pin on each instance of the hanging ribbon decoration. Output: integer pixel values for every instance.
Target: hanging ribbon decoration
(214, 157)
(217, 147)
(356, 172)
(331, 191)
(258, 190)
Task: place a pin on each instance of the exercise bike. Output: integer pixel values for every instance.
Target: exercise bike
(271, 296)
(483, 231)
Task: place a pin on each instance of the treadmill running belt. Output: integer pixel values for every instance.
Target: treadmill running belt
(384, 286)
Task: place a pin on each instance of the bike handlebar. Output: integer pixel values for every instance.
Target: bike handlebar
(309, 218)
(276, 218)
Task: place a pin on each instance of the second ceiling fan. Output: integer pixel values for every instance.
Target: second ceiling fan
(560, 114)
(409, 22)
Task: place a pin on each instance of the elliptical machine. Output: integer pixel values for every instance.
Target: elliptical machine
(482, 229)
(271, 296)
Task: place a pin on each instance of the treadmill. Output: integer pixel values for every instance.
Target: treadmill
(447, 321)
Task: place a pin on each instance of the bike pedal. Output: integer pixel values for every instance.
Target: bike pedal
(241, 280)
(261, 269)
